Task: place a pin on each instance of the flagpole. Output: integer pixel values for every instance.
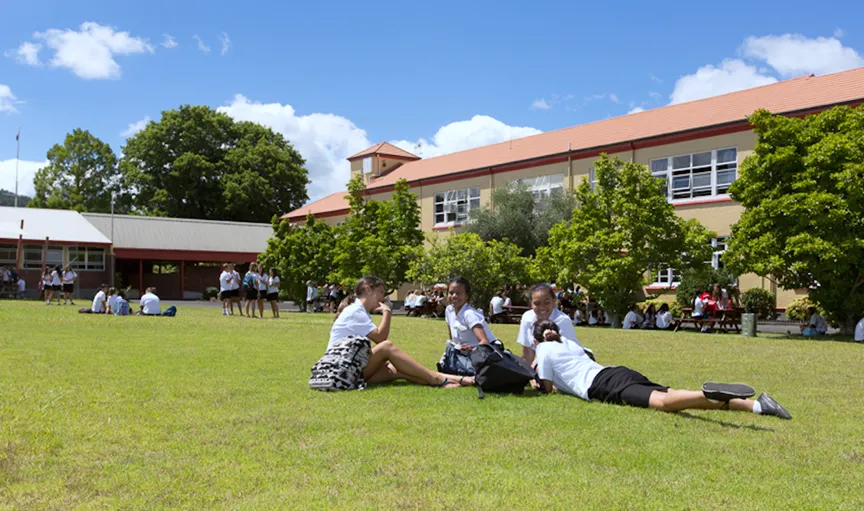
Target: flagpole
(17, 156)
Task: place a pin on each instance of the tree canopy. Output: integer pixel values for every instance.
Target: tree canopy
(618, 232)
(81, 175)
(803, 194)
(198, 163)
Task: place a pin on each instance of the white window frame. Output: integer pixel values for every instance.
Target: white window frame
(713, 188)
(85, 264)
(669, 277)
(592, 179)
(455, 206)
(541, 187)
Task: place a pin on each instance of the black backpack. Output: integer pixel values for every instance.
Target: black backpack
(498, 370)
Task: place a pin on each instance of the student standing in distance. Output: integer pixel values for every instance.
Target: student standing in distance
(150, 303)
(250, 288)
(386, 361)
(569, 370)
(22, 286)
(273, 292)
(57, 282)
(664, 318)
(68, 278)
(311, 296)
(262, 281)
(817, 324)
(235, 291)
(225, 279)
(543, 307)
(632, 319)
(47, 290)
(99, 300)
(496, 308)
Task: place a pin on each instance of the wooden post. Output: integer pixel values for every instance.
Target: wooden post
(140, 278)
(45, 255)
(182, 280)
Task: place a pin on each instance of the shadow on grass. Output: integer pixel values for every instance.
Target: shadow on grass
(821, 338)
(725, 424)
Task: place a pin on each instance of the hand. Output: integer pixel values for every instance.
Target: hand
(535, 385)
(382, 308)
(465, 347)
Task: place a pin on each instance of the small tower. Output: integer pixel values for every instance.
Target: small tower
(379, 160)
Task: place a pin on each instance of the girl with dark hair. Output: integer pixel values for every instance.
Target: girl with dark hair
(250, 288)
(68, 279)
(56, 283)
(466, 328)
(544, 307)
(273, 292)
(386, 361)
(47, 290)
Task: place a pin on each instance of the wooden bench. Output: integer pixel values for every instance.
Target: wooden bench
(723, 320)
(429, 308)
(513, 313)
(8, 290)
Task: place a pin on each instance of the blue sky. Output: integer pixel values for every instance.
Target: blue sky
(335, 77)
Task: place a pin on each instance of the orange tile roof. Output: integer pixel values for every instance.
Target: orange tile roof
(333, 202)
(787, 96)
(384, 148)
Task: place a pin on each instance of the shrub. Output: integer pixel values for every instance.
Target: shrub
(758, 300)
(797, 310)
(210, 292)
(674, 307)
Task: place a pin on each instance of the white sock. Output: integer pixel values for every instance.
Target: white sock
(757, 407)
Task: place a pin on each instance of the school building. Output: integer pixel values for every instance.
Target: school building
(696, 148)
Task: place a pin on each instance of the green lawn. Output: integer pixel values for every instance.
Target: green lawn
(206, 412)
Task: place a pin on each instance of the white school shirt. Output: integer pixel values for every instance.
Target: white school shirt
(235, 282)
(698, 307)
(225, 279)
(22, 286)
(113, 301)
(271, 287)
(508, 302)
(409, 300)
(69, 277)
(55, 278)
(262, 282)
(310, 293)
(593, 318)
(419, 300)
(462, 323)
(819, 322)
(632, 317)
(150, 304)
(859, 331)
(497, 305)
(664, 319)
(354, 320)
(578, 317)
(567, 367)
(46, 281)
(99, 302)
(529, 319)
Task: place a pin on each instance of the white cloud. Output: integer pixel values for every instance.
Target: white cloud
(28, 53)
(169, 41)
(26, 172)
(540, 104)
(794, 54)
(88, 52)
(654, 78)
(636, 110)
(478, 131)
(839, 33)
(135, 127)
(201, 46)
(732, 75)
(613, 98)
(655, 95)
(226, 43)
(7, 99)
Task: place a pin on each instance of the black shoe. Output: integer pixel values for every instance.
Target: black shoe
(727, 391)
(771, 407)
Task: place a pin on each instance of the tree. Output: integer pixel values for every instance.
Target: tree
(515, 216)
(198, 163)
(300, 254)
(379, 238)
(803, 194)
(81, 175)
(620, 231)
(489, 265)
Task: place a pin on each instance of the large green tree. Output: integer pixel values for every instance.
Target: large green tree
(489, 265)
(196, 162)
(803, 194)
(619, 231)
(81, 175)
(515, 215)
(379, 237)
(300, 253)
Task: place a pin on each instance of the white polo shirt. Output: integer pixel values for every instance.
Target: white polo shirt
(150, 304)
(859, 331)
(271, 288)
(99, 302)
(462, 325)
(821, 326)
(664, 319)
(497, 305)
(529, 319)
(567, 367)
(632, 318)
(225, 279)
(55, 278)
(354, 320)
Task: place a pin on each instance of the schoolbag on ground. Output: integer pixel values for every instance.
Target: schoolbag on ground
(170, 311)
(341, 367)
(454, 361)
(498, 370)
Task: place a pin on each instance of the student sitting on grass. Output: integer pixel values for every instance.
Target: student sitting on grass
(122, 308)
(859, 331)
(466, 326)
(632, 319)
(99, 300)
(113, 297)
(150, 303)
(650, 319)
(817, 324)
(560, 366)
(386, 361)
(543, 307)
(664, 318)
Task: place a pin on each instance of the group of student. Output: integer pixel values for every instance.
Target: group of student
(9, 278)
(111, 300)
(420, 302)
(548, 340)
(326, 299)
(651, 319)
(257, 287)
(58, 282)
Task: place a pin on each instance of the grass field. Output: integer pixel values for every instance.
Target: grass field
(206, 412)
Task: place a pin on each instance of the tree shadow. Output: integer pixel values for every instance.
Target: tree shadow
(822, 338)
(725, 424)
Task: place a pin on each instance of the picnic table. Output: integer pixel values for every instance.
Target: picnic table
(722, 319)
(513, 313)
(8, 289)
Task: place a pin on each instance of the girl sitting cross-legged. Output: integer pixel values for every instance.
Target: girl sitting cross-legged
(466, 328)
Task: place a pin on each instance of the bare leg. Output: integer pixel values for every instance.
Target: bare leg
(677, 400)
(261, 307)
(406, 367)
(248, 303)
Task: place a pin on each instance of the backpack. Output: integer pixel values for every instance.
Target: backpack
(341, 367)
(170, 311)
(498, 370)
(453, 361)
(249, 281)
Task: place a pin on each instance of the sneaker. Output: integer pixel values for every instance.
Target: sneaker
(727, 391)
(771, 407)
(71, 303)
(47, 302)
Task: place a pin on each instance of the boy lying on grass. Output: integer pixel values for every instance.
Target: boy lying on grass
(565, 368)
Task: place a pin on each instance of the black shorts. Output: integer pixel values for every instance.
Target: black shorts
(235, 294)
(273, 297)
(251, 294)
(623, 386)
(57, 288)
(225, 295)
(68, 288)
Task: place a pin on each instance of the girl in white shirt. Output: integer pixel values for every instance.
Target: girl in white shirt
(543, 307)
(386, 361)
(262, 282)
(47, 289)
(273, 292)
(69, 277)
(226, 278)
(466, 326)
(664, 317)
(57, 282)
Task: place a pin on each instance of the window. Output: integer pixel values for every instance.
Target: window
(80, 258)
(451, 208)
(705, 174)
(33, 257)
(543, 186)
(592, 178)
(86, 258)
(720, 245)
(7, 255)
(367, 165)
(666, 276)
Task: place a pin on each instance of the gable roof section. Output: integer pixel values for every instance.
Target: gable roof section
(384, 149)
(58, 225)
(786, 97)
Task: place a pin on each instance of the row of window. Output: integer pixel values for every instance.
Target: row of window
(688, 176)
(80, 258)
(666, 276)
